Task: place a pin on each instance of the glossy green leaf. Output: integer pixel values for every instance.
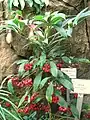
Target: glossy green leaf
(74, 111)
(67, 84)
(2, 113)
(43, 82)
(39, 17)
(62, 102)
(12, 115)
(22, 99)
(10, 86)
(54, 70)
(49, 92)
(37, 81)
(62, 31)
(55, 20)
(79, 16)
(66, 59)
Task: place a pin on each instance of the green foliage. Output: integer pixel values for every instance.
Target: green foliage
(4, 96)
(49, 92)
(62, 102)
(49, 31)
(54, 69)
(37, 81)
(74, 111)
(38, 4)
(10, 86)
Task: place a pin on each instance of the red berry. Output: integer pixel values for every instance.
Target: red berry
(26, 110)
(61, 88)
(7, 104)
(15, 81)
(55, 99)
(28, 82)
(20, 110)
(46, 68)
(75, 95)
(62, 109)
(59, 65)
(26, 98)
(20, 85)
(33, 97)
(28, 66)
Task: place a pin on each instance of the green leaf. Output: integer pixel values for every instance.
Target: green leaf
(37, 81)
(10, 86)
(66, 59)
(66, 83)
(83, 60)
(39, 17)
(79, 16)
(43, 82)
(4, 98)
(62, 102)
(22, 3)
(49, 92)
(53, 69)
(21, 69)
(30, 2)
(13, 116)
(55, 20)
(62, 31)
(42, 59)
(10, 2)
(16, 3)
(69, 31)
(38, 99)
(74, 111)
(38, 2)
(22, 99)
(58, 93)
(2, 113)
(21, 61)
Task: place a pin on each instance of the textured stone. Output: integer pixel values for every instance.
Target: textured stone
(7, 58)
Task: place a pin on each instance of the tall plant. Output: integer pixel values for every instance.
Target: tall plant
(39, 79)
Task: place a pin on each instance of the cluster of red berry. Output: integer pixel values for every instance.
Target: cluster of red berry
(76, 95)
(87, 115)
(64, 110)
(61, 88)
(28, 66)
(7, 104)
(55, 99)
(24, 83)
(46, 68)
(60, 65)
(34, 107)
(33, 97)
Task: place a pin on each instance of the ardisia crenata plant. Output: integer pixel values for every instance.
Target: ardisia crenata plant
(38, 90)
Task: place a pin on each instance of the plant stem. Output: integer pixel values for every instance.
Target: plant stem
(50, 114)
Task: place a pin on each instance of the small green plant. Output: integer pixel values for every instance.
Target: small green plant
(37, 4)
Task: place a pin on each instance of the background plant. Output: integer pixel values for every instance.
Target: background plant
(39, 83)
